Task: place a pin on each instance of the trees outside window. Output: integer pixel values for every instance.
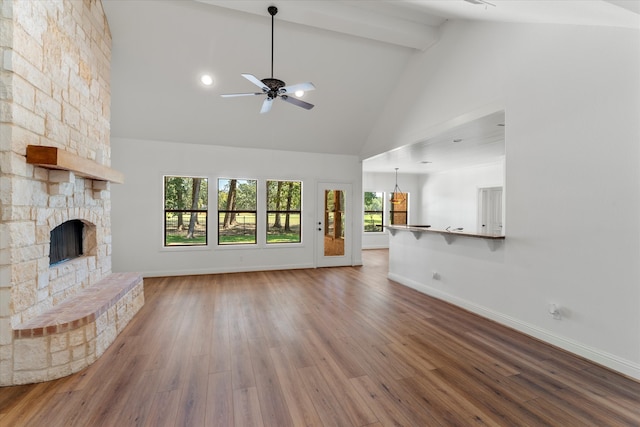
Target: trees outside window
(237, 210)
(373, 211)
(185, 211)
(398, 213)
(284, 214)
(334, 214)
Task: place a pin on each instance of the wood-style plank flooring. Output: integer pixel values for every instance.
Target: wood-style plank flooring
(321, 347)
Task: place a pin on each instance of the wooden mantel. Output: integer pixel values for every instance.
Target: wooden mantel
(57, 158)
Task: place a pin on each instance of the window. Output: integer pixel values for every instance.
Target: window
(185, 211)
(373, 211)
(237, 203)
(283, 204)
(398, 213)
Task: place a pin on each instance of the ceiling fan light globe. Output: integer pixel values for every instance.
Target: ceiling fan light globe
(206, 80)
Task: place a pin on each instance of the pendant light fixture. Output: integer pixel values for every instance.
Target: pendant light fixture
(397, 197)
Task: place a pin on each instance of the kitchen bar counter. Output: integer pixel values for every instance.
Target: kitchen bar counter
(449, 235)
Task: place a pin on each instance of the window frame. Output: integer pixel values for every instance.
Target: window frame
(393, 212)
(237, 211)
(190, 211)
(285, 212)
(381, 212)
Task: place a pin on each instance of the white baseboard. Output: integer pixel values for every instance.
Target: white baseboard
(625, 367)
(235, 269)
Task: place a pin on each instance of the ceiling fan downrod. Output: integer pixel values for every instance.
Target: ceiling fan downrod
(272, 83)
(272, 11)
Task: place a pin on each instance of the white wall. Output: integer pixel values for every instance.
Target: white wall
(137, 205)
(450, 198)
(572, 100)
(385, 182)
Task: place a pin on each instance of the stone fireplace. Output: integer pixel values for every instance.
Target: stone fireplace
(54, 92)
(55, 283)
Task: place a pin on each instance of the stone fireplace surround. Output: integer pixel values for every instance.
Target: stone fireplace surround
(66, 315)
(55, 91)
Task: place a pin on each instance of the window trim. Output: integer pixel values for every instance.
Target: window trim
(405, 212)
(164, 245)
(382, 211)
(284, 212)
(222, 211)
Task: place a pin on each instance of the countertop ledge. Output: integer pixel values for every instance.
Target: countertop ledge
(446, 233)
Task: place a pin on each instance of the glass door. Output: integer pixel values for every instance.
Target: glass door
(334, 225)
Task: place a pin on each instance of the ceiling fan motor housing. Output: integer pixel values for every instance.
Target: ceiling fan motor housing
(274, 86)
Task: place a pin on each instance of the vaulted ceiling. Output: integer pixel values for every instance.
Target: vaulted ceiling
(353, 52)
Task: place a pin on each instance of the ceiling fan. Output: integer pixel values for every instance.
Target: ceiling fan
(273, 87)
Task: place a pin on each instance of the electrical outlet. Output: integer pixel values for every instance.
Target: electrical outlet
(435, 275)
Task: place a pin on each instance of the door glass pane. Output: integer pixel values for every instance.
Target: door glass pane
(334, 220)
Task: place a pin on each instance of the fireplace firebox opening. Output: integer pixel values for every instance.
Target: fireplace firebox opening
(66, 242)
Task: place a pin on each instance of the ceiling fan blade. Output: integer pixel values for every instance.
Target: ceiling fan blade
(296, 101)
(233, 95)
(306, 87)
(256, 81)
(266, 105)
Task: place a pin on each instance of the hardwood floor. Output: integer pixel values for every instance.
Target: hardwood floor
(324, 347)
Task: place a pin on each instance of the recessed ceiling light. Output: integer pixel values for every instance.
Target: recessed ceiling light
(206, 79)
(299, 93)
